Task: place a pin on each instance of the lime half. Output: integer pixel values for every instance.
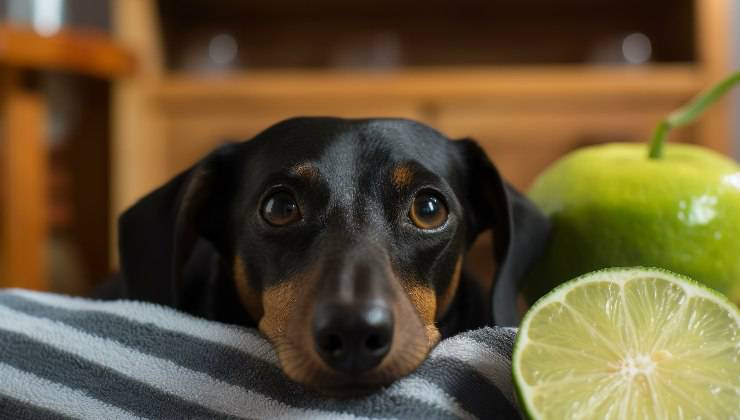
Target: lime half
(629, 343)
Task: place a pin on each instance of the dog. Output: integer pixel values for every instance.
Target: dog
(342, 240)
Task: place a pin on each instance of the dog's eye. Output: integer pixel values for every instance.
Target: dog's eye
(428, 211)
(280, 209)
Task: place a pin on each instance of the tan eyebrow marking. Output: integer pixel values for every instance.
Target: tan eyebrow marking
(402, 175)
(305, 170)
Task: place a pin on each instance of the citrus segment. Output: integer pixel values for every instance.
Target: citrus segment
(630, 343)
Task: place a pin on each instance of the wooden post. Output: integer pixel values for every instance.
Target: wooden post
(714, 57)
(137, 148)
(23, 162)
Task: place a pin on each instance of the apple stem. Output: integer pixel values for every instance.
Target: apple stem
(689, 112)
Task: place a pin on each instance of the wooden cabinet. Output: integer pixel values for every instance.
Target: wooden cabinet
(525, 106)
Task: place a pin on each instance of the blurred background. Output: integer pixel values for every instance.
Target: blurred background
(103, 100)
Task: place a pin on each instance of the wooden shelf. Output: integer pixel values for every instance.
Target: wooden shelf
(526, 113)
(439, 83)
(86, 52)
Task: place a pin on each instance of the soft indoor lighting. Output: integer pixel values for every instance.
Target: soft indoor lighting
(636, 48)
(222, 49)
(47, 16)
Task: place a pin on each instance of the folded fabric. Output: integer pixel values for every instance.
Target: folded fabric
(65, 357)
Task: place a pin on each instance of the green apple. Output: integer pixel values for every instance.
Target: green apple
(675, 207)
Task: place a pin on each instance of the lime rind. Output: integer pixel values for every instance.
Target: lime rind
(620, 276)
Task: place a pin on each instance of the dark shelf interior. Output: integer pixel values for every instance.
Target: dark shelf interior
(386, 34)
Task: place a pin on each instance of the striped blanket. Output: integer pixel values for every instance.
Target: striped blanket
(64, 357)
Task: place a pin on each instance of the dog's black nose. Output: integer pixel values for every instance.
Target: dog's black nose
(352, 338)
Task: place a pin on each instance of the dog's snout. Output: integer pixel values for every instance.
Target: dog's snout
(353, 338)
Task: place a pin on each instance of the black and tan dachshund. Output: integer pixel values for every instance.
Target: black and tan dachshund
(341, 240)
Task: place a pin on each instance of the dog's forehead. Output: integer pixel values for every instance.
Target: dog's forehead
(343, 148)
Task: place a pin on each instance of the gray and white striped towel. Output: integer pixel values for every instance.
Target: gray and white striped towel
(64, 357)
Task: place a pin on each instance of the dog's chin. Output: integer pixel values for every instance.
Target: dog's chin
(335, 384)
(345, 392)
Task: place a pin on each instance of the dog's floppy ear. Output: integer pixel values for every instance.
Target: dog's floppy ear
(157, 234)
(519, 229)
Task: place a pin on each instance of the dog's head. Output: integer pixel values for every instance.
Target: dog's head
(343, 241)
